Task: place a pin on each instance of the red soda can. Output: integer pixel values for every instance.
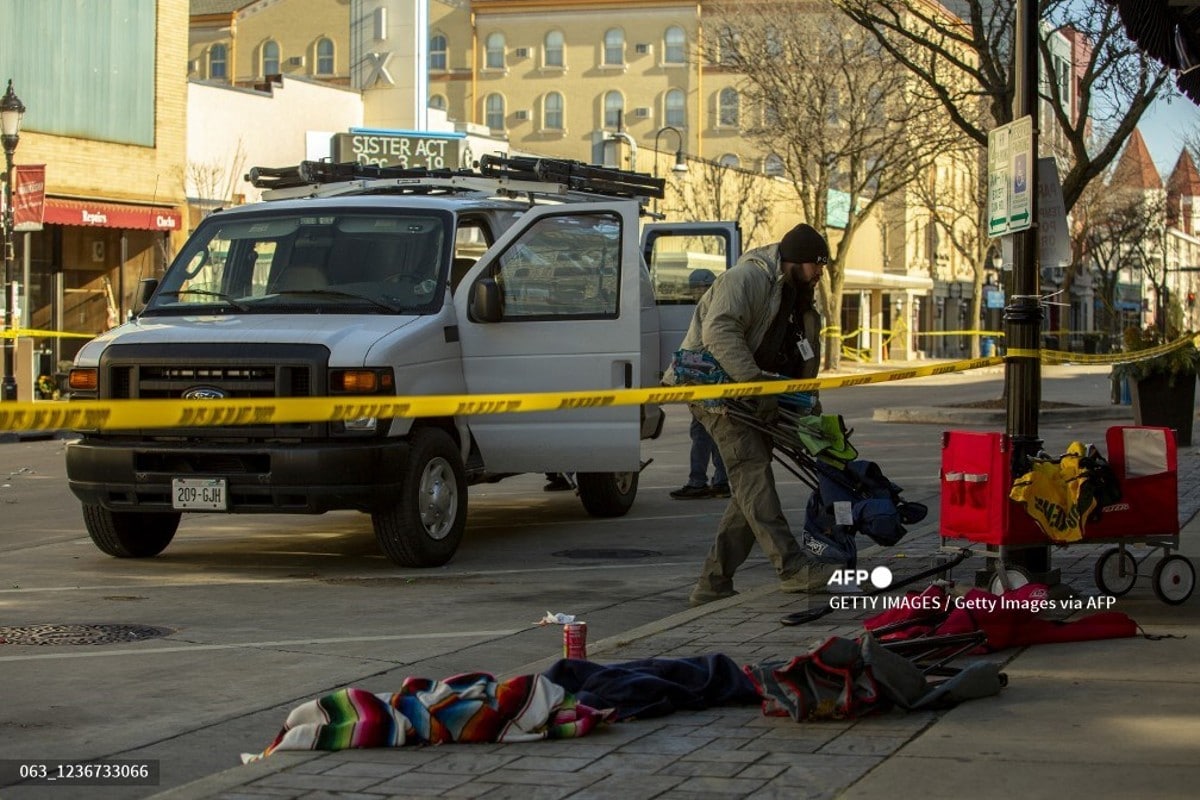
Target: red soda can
(575, 640)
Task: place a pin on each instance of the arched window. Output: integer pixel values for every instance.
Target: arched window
(493, 112)
(727, 108)
(325, 56)
(727, 42)
(218, 56)
(437, 101)
(674, 110)
(552, 112)
(773, 165)
(437, 52)
(614, 46)
(270, 58)
(494, 55)
(614, 105)
(552, 51)
(729, 160)
(674, 46)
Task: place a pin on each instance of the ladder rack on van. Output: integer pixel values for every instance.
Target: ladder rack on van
(497, 175)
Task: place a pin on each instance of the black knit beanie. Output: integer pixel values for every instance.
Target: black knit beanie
(803, 245)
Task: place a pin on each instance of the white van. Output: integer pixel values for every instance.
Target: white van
(353, 281)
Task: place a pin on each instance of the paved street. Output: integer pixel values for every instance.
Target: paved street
(264, 613)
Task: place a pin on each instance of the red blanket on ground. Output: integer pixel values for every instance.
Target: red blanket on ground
(1008, 620)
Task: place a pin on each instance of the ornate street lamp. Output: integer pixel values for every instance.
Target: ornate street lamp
(680, 161)
(11, 111)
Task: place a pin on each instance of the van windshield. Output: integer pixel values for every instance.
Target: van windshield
(302, 263)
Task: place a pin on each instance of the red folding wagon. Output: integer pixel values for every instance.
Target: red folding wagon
(976, 478)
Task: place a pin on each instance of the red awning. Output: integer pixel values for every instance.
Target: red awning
(95, 214)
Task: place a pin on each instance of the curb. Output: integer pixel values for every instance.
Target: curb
(986, 416)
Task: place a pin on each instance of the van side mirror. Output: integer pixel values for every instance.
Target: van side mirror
(147, 287)
(486, 303)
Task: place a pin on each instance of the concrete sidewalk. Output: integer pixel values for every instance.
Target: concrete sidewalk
(1107, 719)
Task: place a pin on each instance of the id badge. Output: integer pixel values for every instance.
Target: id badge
(806, 351)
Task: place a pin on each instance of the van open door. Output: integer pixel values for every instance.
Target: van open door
(553, 306)
(684, 259)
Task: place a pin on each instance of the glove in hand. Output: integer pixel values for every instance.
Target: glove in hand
(767, 408)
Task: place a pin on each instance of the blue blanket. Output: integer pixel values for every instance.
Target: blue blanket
(655, 687)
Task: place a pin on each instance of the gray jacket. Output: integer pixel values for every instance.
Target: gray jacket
(734, 315)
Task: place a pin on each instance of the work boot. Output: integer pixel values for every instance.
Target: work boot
(691, 493)
(812, 578)
(556, 483)
(701, 595)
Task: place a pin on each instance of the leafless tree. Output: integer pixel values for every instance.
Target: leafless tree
(210, 184)
(960, 216)
(967, 63)
(1121, 229)
(837, 111)
(721, 191)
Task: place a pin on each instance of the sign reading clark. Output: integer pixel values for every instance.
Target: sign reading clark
(382, 150)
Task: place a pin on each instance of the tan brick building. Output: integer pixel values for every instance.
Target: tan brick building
(109, 127)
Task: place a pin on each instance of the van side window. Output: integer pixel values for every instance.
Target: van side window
(683, 266)
(471, 239)
(564, 267)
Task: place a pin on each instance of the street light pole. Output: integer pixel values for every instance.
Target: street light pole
(11, 111)
(1023, 314)
(680, 162)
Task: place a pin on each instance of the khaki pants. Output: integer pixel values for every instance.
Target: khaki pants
(754, 512)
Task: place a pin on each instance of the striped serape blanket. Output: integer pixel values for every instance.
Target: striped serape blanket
(473, 707)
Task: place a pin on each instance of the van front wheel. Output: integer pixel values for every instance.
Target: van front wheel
(607, 494)
(424, 525)
(127, 534)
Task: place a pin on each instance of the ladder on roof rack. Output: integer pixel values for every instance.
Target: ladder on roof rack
(502, 175)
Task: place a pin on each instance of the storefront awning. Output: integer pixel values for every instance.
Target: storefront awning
(96, 214)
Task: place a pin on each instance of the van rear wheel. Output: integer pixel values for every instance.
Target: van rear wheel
(607, 494)
(425, 523)
(125, 534)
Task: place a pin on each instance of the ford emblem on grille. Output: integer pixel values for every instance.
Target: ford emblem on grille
(204, 393)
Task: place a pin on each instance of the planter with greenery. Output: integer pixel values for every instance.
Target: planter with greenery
(1162, 380)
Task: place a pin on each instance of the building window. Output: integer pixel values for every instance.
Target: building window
(614, 106)
(437, 53)
(270, 58)
(729, 160)
(437, 101)
(218, 57)
(773, 165)
(614, 47)
(726, 46)
(552, 51)
(494, 53)
(674, 111)
(325, 57)
(674, 46)
(727, 108)
(493, 111)
(552, 112)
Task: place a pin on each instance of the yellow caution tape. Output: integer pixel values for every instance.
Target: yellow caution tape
(134, 414)
(34, 332)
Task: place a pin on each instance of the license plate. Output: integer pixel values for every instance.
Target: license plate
(199, 494)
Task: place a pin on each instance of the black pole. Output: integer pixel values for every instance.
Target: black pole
(1023, 315)
(8, 389)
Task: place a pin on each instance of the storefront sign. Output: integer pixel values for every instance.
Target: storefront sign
(89, 213)
(381, 150)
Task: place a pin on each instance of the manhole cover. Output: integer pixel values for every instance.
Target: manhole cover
(600, 553)
(79, 634)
